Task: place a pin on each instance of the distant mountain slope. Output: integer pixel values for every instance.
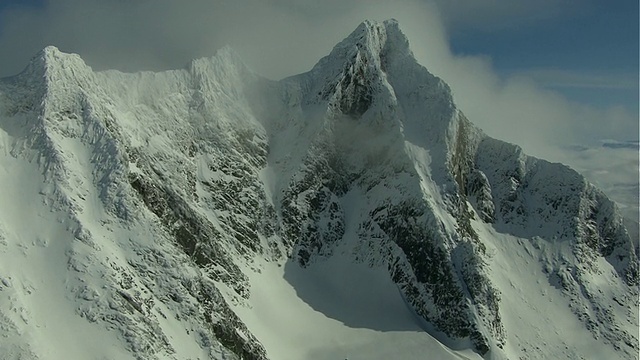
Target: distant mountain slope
(210, 213)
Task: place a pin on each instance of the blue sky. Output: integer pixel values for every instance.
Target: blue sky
(4, 4)
(595, 46)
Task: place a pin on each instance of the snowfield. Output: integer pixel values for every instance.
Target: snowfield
(336, 310)
(350, 212)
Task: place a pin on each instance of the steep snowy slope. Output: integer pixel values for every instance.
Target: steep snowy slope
(390, 133)
(348, 212)
(105, 158)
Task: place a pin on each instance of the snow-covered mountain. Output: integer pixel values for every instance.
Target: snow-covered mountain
(348, 212)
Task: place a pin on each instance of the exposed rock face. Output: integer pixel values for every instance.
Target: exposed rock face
(217, 166)
(479, 191)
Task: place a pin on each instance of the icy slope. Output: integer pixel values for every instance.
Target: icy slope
(351, 211)
(107, 163)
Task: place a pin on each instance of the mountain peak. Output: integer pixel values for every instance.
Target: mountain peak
(349, 76)
(51, 50)
(376, 37)
(371, 37)
(51, 55)
(50, 63)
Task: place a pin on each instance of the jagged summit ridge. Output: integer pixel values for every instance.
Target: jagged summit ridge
(369, 37)
(172, 192)
(51, 64)
(354, 70)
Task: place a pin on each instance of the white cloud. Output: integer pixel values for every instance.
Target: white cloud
(614, 170)
(562, 78)
(518, 109)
